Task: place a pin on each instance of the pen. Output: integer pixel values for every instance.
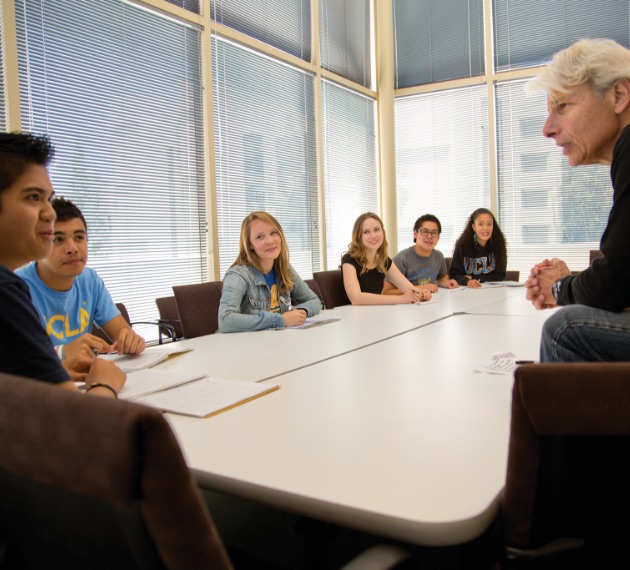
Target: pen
(524, 362)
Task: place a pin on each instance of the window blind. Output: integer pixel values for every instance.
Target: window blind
(344, 27)
(349, 165)
(284, 24)
(529, 32)
(3, 94)
(437, 40)
(547, 208)
(265, 151)
(441, 161)
(192, 5)
(117, 88)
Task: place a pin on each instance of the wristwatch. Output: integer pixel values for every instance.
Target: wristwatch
(555, 289)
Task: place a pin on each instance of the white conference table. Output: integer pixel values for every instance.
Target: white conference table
(261, 355)
(399, 437)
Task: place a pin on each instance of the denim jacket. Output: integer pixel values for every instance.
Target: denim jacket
(246, 298)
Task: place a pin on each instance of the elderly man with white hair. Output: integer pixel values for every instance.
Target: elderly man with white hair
(588, 94)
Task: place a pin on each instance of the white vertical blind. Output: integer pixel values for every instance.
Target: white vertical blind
(265, 149)
(529, 32)
(441, 160)
(284, 24)
(345, 38)
(349, 164)
(117, 88)
(436, 40)
(546, 207)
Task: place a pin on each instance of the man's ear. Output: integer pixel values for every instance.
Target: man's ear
(621, 92)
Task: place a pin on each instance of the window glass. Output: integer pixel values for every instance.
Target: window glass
(284, 24)
(265, 148)
(437, 40)
(441, 161)
(192, 5)
(345, 38)
(349, 165)
(529, 32)
(547, 208)
(128, 133)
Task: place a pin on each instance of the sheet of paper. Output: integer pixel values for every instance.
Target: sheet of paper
(150, 357)
(207, 396)
(500, 363)
(432, 300)
(315, 322)
(504, 284)
(142, 382)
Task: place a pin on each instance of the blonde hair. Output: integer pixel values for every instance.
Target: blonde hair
(595, 62)
(359, 252)
(247, 256)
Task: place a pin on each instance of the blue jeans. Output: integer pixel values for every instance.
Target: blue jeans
(578, 333)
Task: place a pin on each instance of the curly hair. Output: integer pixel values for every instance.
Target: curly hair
(358, 251)
(247, 256)
(497, 241)
(18, 151)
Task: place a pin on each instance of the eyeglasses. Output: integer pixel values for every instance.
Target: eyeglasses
(426, 233)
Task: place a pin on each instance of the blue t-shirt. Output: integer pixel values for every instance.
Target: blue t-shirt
(67, 315)
(272, 283)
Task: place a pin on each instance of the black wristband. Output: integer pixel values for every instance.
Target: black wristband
(100, 385)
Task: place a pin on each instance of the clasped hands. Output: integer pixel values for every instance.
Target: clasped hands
(541, 279)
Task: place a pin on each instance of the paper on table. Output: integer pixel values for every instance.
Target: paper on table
(490, 284)
(506, 283)
(206, 397)
(431, 300)
(150, 357)
(143, 382)
(315, 322)
(499, 363)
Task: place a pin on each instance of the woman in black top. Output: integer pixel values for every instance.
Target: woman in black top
(366, 264)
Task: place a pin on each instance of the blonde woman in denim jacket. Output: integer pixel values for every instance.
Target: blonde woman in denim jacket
(260, 287)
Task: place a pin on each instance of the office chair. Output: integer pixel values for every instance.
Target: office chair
(164, 329)
(331, 287)
(167, 308)
(593, 254)
(567, 495)
(512, 275)
(448, 261)
(198, 307)
(315, 288)
(90, 482)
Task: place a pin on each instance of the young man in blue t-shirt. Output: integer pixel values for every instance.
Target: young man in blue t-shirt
(71, 297)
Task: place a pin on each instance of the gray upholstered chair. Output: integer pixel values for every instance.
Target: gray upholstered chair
(567, 489)
(198, 307)
(89, 482)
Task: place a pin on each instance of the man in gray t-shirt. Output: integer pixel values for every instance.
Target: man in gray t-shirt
(422, 264)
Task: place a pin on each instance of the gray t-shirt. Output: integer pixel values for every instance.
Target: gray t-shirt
(420, 270)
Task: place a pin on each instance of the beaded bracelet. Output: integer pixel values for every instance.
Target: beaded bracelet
(100, 385)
